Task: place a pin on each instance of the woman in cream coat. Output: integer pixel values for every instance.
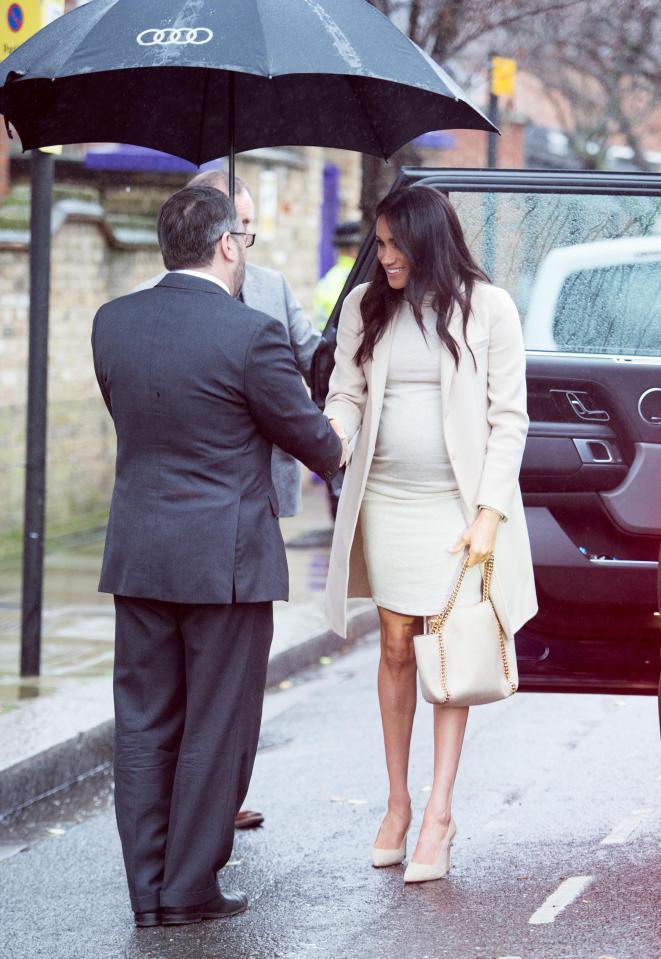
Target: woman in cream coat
(429, 389)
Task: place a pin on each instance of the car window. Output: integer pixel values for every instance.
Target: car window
(584, 269)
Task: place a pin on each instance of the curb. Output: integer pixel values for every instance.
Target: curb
(56, 768)
(308, 652)
(90, 750)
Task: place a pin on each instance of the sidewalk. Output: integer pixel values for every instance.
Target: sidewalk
(59, 727)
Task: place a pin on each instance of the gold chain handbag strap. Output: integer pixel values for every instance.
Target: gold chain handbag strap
(436, 624)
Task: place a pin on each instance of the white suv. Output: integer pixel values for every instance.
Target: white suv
(600, 297)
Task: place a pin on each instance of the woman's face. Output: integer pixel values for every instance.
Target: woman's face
(391, 258)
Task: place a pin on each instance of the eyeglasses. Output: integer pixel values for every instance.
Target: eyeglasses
(248, 238)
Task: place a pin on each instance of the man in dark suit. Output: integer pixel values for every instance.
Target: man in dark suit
(200, 387)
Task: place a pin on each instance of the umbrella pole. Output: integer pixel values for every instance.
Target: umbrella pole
(232, 124)
(35, 471)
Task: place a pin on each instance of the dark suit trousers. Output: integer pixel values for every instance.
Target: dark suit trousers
(189, 688)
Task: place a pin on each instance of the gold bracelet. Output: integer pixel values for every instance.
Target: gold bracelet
(500, 515)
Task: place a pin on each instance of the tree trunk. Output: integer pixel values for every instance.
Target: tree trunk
(379, 176)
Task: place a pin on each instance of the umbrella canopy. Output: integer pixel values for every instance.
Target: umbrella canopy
(204, 78)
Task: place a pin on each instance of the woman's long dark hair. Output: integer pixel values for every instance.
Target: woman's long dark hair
(426, 229)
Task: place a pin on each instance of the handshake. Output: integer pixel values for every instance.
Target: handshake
(343, 437)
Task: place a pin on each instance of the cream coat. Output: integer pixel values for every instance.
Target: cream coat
(485, 425)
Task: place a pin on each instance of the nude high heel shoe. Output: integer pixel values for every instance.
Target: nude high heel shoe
(423, 872)
(391, 857)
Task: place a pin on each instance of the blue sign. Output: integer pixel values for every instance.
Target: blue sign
(15, 17)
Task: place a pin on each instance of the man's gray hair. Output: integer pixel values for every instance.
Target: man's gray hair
(220, 180)
(191, 223)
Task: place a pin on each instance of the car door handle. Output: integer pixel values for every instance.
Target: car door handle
(595, 451)
(576, 399)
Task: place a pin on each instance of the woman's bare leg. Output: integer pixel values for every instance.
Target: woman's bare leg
(449, 728)
(397, 698)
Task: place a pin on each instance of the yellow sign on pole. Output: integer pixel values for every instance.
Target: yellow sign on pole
(503, 74)
(20, 19)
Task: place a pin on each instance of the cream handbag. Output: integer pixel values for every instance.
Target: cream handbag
(465, 658)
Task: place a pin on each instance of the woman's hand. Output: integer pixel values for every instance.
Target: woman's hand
(342, 436)
(479, 538)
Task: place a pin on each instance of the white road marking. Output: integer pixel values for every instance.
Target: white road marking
(626, 827)
(565, 894)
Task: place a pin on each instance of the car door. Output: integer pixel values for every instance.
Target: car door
(581, 255)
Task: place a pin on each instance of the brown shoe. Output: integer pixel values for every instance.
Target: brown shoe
(245, 819)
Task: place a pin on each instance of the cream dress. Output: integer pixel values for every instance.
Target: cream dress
(411, 512)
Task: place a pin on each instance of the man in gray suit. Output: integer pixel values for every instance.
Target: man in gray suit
(268, 290)
(199, 387)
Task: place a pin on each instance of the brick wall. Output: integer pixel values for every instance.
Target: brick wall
(80, 434)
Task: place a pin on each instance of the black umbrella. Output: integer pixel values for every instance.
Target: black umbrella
(205, 78)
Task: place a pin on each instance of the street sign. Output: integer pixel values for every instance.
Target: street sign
(503, 73)
(20, 19)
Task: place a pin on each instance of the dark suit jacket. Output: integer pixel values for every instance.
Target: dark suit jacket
(199, 387)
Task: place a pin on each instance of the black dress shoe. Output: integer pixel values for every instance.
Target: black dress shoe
(221, 906)
(145, 919)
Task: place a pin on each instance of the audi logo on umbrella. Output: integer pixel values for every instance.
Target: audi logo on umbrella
(178, 36)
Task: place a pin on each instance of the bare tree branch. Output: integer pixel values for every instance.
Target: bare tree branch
(414, 19)
(606, 69)
(504, 22)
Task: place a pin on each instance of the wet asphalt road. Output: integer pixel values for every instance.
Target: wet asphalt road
(556, 794)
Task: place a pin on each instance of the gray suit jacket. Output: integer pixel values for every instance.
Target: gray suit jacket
(268, 291)
(200, 387)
